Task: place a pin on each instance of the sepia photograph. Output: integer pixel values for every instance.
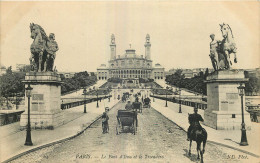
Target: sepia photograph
(130, 81)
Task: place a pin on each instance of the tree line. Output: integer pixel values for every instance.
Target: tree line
(195, 84)
(198, 85)
(11, 82)
(79, 80)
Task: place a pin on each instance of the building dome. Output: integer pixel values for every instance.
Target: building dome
(157, 65)
(103, 66)
(130, 53)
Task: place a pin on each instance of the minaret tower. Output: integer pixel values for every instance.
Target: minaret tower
(113, 47)
(147, 46)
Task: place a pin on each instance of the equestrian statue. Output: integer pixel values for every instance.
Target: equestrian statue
(43, 49)
(220, 51)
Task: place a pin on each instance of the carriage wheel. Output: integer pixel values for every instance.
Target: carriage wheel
(134, 128)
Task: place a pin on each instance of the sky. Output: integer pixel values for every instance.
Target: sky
(179, 31)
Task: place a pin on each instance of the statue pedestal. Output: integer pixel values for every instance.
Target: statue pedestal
(45, 103)
(224, 103)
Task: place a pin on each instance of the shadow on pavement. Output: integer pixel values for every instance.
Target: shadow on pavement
(232, 141)
(192, 157)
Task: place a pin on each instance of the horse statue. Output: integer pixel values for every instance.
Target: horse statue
(223, 49)
(43, 49)
(199, 135)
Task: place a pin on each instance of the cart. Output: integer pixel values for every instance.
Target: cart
(147, 103)
(128, 119)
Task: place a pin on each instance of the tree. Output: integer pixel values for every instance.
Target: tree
(176, 78)
(10, 83)
(196, 83)
(206, 73)
(81, 79)
(25, 68)
(252, 86)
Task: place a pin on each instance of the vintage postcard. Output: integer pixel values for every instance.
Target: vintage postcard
(130, 81)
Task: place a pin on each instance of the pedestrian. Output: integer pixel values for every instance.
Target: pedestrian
(136, 99)
(255, 118)
(105, 126)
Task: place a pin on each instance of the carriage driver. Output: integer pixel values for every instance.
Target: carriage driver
(128, 106)
(193, 118)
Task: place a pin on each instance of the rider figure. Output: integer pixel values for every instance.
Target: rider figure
(193, 119)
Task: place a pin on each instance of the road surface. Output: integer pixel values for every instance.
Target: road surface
(157, 140)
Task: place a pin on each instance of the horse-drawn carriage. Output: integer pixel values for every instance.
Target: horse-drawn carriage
(137, 106)
(128, 119)
(147, 103)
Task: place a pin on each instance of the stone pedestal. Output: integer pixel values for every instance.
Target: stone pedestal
(45, 103)
(224, 103)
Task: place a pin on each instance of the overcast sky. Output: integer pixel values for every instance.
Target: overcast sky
(179, 31)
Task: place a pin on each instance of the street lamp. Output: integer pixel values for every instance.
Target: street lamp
(97, 98)
(153, 96)
(166, 98)
(243, 130)
(180, 100)
(28, 140)
(85, 93)
(108, 94)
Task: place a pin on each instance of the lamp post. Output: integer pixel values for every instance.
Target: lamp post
(108, 94)
(97, 99)
(85, 93)
(243, 129)
(166, 99)
(28, 140)
(180, 100)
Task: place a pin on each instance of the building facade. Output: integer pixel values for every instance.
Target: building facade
(130, 66)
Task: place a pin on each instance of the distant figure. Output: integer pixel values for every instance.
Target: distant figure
(193, 120)
(255, 118)
(136, 99)
(105, 126)
(128, 106)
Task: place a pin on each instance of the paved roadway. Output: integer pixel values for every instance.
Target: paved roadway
(157, 140)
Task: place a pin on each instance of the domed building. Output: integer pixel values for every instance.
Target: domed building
(130, 66)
